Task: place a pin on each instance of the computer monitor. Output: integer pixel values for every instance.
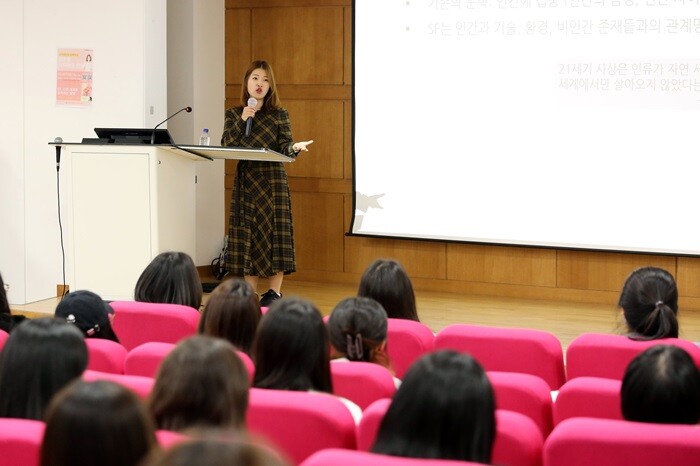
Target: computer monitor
(134, 135)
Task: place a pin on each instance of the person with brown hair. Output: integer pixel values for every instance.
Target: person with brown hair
(233, 313)
(96, 424)
(261, 240)
(213, 451)
(202, 383)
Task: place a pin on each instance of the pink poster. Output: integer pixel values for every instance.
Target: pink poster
(74, 77)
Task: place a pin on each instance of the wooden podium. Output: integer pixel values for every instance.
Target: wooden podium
(122, 205)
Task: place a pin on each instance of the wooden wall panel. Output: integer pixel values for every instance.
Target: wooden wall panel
(602, 270)
(500, 264)
(304, 45)
(347, 140)
(238, 48)
(688, 276)
(318, 231)
(322, 121)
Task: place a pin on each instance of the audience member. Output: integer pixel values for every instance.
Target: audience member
(358, 331)
(662, 385)
(87, 311)
(233, 313)
(649, 303)
(215, 452)
(7, 320)
(291, 350)
(171, 278)
(202, 383)
(387, 282)
(444, 409)
(40, 357)
(96, 424)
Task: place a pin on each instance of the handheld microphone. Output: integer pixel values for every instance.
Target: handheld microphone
(252, 102)
(58, 140)
(153, 134)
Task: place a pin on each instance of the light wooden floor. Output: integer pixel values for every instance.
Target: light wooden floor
(437, 310)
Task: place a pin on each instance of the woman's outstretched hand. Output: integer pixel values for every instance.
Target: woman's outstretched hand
(301, 146)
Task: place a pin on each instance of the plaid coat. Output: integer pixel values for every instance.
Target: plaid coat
(261, 239)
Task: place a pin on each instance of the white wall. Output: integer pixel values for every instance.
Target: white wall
(196, 77)
(129, 43)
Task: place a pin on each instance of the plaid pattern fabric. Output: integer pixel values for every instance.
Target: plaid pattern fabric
(261, 237)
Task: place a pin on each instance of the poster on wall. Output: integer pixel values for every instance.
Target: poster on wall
(74, 77)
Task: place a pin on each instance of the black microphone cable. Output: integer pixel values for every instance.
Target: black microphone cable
(59, 140)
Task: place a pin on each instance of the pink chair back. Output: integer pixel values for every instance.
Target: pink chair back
(525, 394)
(142, 386)
(518, 439)
(407, 340)
(136, 323)
(587, 352)
(249, 365)
(508, 350)
(337, 457)
(588, 397)
(167, 438)
(3, 338)
(145, 359)
(607, 442)
(300, 423)
(20, 441)
(362, 382)
(105, 355)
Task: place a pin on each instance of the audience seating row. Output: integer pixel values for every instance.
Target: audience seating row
(20, 441)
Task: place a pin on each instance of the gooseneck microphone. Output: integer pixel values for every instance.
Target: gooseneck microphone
(58, 140)
(153, 134)
(252, 102)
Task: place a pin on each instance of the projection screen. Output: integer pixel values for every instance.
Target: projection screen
(556, 123)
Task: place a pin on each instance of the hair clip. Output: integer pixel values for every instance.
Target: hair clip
(70, 319)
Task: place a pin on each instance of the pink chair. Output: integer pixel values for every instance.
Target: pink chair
(136, 323)
(20, 441)
(362, 382)
(145, 359)
(607, 442)
(337, 457)
(518, 439)
(249, 365)
(525, 394)
(168, 439)
(142, 386)
(300, 423)
(603, 355)
(105, 355)
(508, 350)
(3, 338)
(588, 397)
(407, 340)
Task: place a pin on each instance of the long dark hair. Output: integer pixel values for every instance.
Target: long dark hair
(649, 301)
(661, 385)
(291, 349)
(171, 278)
(96, 423)
(444, 409)
(40, 357)
(232, 312)
(202, 383)
(386, 281)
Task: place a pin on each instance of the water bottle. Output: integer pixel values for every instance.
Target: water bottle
(204, 138)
